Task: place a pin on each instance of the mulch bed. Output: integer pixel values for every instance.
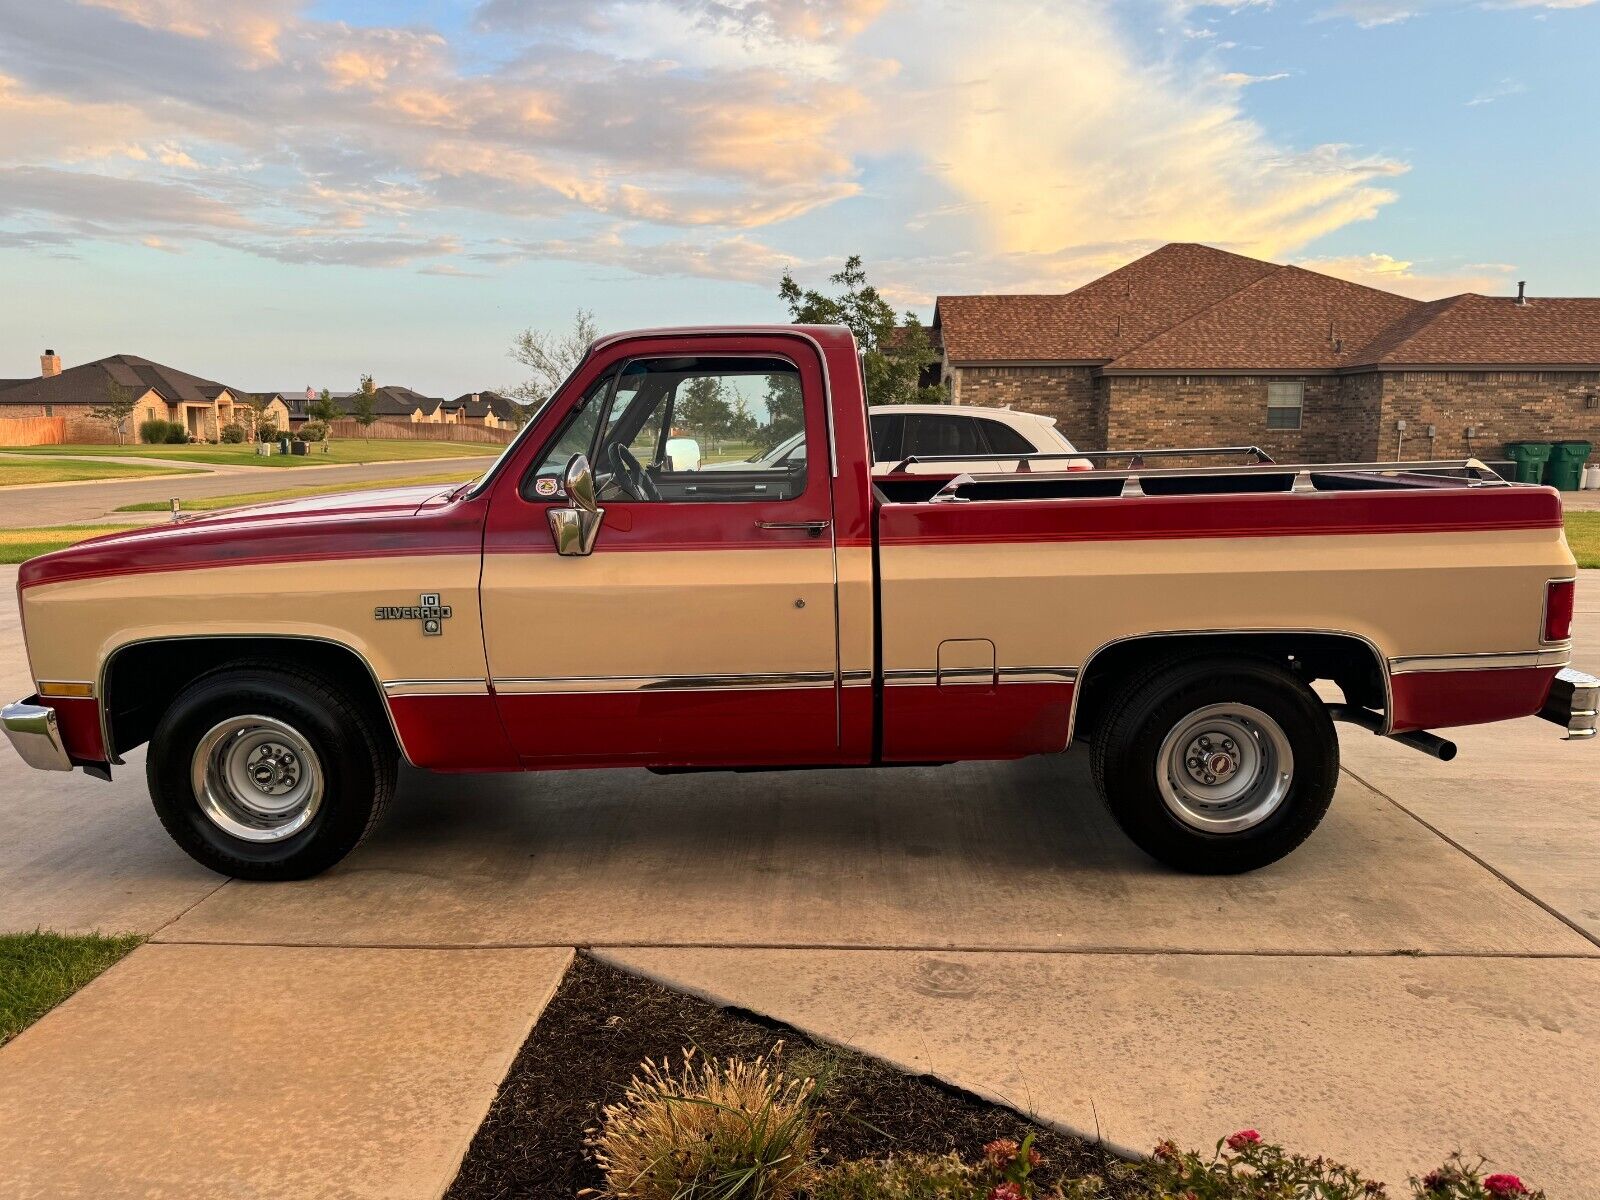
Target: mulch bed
(602, 1023)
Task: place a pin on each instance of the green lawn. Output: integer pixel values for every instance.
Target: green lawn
(64, 471)
(1583, 535)
(342, 450)
(40, 970)
(211, 503)
(19, 545)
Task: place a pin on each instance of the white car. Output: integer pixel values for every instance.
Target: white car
(902, 430)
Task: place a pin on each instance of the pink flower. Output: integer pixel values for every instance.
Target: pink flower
(1245, 1137)
(1000, 1153)
(1504, 1185)
(1006, 1191)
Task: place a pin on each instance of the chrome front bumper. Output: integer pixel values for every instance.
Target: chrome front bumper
(1573, 702)
(34, 733)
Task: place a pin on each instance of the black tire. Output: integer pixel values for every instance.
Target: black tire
(1127, 757)
(354, 756)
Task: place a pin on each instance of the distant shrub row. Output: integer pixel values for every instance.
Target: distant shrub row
(155, 432)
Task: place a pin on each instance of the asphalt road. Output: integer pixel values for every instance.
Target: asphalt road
(83, 503)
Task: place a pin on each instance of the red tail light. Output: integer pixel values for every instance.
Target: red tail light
(1558, 597)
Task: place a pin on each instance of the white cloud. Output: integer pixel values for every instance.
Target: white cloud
(1240, 79)
(1372, 13)
(1501, 90)
(1400, 275)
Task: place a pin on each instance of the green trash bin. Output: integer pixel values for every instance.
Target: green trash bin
(1565, 472)
(1530, 458)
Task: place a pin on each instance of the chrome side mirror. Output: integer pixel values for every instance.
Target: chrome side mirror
(576, 527)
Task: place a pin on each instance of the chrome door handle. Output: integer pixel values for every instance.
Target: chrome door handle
(814, 528)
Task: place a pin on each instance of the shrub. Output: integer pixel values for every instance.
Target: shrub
(313, 431)
(712, 1130)
(153, 432)
(177, 434)
(266, 431)
(233, 433)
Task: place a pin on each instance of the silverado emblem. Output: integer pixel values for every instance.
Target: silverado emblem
(428, 610)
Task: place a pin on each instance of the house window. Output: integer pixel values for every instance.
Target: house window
(49, 410)
(1284, 402)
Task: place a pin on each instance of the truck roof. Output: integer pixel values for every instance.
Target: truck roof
(823, 335)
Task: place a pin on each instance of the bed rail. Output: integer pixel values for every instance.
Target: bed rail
(1300, 477)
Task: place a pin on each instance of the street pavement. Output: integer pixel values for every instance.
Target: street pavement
(34, 505)
(1423, 974)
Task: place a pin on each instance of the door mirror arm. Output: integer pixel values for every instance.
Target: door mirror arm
(575, 527)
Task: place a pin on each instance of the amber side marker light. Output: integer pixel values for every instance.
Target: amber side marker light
(1558, 598)
(64, 690)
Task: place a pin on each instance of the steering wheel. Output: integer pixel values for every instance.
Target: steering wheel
(635, 480)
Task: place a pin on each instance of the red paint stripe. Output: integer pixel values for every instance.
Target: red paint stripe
(453, 733)
(928, 723)
(1441, 699)
(1137, 518)
(78, 720)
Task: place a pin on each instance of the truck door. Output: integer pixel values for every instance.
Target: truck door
(700, 630)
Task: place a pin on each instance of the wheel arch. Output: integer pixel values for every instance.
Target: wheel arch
(1351, 660)
(140, 678)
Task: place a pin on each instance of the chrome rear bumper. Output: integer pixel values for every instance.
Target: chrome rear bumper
(35, 735)
(1573, 702)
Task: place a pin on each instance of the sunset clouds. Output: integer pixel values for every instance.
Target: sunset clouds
(962, 146)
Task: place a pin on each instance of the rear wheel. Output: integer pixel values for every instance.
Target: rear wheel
(1217, 766)
(263, 773)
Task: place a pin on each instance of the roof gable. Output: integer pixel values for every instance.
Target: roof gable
(1101, 319)
(87, 383)
(1290, 319)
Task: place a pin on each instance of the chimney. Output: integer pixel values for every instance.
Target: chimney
(1522, 293)
(49, 364)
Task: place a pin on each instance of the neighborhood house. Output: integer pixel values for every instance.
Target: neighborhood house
(1193, 346)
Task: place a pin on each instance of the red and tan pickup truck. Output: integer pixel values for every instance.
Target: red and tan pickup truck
(586, 604)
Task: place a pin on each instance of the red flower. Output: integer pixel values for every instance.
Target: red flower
(1001, 1153)
(1166, 1149)
(1504, 1185)
(1006, 1191)
(1245, 1137)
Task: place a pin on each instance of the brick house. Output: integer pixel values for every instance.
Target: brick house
(202, 406)
(489, 409)
(1195, 346)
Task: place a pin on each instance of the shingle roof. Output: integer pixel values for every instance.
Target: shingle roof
(1289, 319)
(1493, 329)
(1186, 307)
(480, 404)
(1102, 318)
(86, 383)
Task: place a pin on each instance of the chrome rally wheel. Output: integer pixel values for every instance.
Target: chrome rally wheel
(256, 778)
(1224, 768)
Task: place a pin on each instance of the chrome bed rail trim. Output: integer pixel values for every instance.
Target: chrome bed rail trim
(1413, 664)
(436, 687)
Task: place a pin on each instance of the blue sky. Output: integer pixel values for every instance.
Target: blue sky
(275, 193)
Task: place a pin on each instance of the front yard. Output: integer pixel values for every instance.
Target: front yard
(342, 450)
(13, 471)
(1583, 535)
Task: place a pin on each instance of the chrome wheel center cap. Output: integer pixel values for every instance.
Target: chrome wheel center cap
(1220, 765)
(273, 769)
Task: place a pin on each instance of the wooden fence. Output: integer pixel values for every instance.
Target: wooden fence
(346, 429)
(33, 431)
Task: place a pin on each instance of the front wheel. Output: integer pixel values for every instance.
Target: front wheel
(1217, 767)
(263, 773)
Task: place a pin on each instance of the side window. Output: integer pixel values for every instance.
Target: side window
(688, 429)
(1003, 439)
(887, 431)
(930, 434)
(1284, 404)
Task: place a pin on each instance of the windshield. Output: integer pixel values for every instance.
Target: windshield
(534, 412)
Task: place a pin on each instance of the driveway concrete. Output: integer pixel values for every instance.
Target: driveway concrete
(262, 1072)
(76, 504)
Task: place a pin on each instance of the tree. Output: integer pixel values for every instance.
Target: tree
(257, 403)
(892, 355)
(118, 404)
(364, 405)
(324, 409)
(550, 357)
(703, 407)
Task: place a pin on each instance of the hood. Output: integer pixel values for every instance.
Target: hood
(383, 522)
